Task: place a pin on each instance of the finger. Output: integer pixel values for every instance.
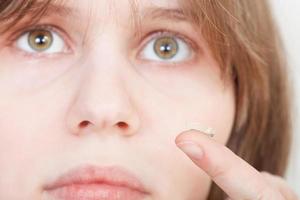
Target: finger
(235, 177)
(281, 185)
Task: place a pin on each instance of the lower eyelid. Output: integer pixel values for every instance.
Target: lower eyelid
(49, 27)
(158, 34)
(151, 41)
(169, 33)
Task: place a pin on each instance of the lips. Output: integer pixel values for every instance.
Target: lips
(96, 183)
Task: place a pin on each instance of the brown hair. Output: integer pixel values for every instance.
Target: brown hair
(244, 41)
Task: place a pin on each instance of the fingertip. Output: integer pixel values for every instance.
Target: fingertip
(191, 134)
(193, 150)
(185, 135)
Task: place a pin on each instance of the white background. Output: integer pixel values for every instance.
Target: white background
(287, 14)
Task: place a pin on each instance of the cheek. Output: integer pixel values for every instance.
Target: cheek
(28, 76)
(22, 134)
(195, 94)
(27, 143)
(18, 151)
(26, 138)
(203, 99)
(29, 106)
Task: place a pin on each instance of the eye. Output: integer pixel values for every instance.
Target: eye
(41, 41)
(166, 48)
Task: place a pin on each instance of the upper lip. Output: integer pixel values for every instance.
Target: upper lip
(88, 174)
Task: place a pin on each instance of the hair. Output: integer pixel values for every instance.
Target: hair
(246, 44)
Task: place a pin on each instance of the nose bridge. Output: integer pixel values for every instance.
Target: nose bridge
(104, 41)
(103, 99)
(105, 64)
(104, 83)
(105, 68)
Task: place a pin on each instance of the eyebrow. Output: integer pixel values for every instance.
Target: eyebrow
(44, 8)
(155, 13)
(60, 9)
(175, 14)
(63, 10)
(41, 9)
(48, 7)
(32, 12)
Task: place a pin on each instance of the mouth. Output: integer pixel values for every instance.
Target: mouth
(96, 183)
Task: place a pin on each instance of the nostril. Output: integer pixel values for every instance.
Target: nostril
(123, 125)
(83, 124)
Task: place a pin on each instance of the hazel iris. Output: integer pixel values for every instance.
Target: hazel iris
(40, 40)
(166, 47)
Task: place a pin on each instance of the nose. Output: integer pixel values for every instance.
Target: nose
(102, 104)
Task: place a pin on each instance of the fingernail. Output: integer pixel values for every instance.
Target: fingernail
(191, 149)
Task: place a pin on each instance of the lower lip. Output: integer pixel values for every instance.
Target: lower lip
(95, 191)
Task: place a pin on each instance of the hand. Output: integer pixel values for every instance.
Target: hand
(234, 176)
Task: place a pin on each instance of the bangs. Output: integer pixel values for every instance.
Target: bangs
(11, 12)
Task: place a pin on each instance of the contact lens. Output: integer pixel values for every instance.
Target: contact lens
(199, 127)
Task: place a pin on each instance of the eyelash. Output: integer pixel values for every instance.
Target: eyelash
(169, 33)
(68, 42)
(194, 47)
(49, 27)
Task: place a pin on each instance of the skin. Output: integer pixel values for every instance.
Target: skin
(100, 102)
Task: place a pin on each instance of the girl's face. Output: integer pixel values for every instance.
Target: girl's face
(88, 85)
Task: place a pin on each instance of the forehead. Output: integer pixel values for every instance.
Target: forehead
(118, 7)
(130, 12)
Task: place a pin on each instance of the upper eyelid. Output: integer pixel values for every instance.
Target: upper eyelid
(49, 27)
(154, 34)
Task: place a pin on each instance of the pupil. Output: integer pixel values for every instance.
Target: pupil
(165, 48)
(41, 39)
